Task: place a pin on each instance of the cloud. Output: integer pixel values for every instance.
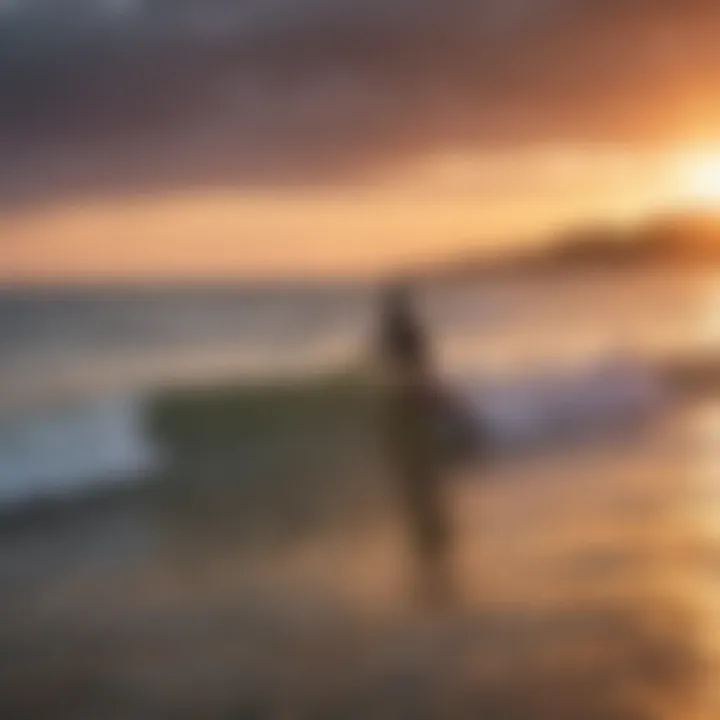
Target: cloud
(182, 93)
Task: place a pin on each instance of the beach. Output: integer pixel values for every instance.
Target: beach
(585, 582)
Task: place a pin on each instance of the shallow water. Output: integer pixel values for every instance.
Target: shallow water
(586, 584)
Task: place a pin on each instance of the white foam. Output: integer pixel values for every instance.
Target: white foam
(70, 446)
(539, 408)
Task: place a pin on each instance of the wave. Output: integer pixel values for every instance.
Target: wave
(72, 446)
(606, 395)
(75, 446)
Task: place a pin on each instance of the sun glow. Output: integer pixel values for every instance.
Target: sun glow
(700, 178)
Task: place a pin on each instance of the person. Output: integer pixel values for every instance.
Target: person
(412, 393)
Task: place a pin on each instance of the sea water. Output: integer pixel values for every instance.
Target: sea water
(67, 446)
(78, 365)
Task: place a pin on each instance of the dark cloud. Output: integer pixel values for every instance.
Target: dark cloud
(272, 91)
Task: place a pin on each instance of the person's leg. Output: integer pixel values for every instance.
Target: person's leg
(430, 534)
(415, 460)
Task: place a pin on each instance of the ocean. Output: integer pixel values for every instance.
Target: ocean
(196, 522)
(79, 364)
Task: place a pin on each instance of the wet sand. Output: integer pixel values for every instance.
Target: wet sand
(585, 591)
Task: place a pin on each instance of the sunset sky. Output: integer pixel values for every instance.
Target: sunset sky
(261, 137)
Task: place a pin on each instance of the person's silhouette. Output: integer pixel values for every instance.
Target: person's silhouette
(413, 437)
